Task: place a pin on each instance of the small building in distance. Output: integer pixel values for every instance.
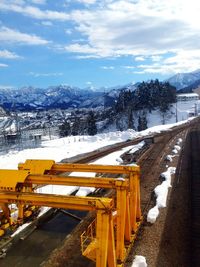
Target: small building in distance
(187, 97)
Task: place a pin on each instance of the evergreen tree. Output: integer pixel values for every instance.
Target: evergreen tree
(124, 101)
(91, 124)
(75, 130)
(142, 123)
(130, 119)
(65, 129)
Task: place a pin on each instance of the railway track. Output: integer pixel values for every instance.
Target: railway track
(152, 165)
(152, 157)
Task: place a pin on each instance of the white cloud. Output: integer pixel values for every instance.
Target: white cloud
(88, 2)
(3, 65)
(84, 49)
(9, 55)
(180, 62)
(145, 29)
(139, 58)
(108, 67)
(33, 12)
(156, 58)
(128, 67)
(8, 35)
(47, 23)
(6, 87)
(54, 74)
(68, 31)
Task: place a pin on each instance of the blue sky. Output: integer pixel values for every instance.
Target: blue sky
(96, 42)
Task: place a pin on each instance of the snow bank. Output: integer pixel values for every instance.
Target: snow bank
(180, 140)
(161, 192)
(161, 128)
(139, 261)
(177, 147)
(170, 157)
(153, 214)
(137, 147)
(175, 151)
(167, 175)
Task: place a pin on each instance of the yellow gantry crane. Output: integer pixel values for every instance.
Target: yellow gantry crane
(109, 238)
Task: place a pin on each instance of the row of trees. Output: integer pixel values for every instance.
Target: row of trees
(147, 97)
(129, 105)
(79, 126)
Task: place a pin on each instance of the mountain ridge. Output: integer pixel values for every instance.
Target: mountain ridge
(183, 80)
(61, 96)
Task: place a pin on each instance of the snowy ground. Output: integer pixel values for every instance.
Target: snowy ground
(178, 112)
(70, 146)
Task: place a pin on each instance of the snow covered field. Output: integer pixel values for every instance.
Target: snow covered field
(182, 109)
(58, 149)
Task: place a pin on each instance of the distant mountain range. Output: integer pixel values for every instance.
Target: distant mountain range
(62, 96)
(189, 81)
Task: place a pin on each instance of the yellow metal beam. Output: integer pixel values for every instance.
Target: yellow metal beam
(39, 166)
(57, 201)
(98, 182)
(68, 167)
(111, 244)
(120, 227)
(102, 234)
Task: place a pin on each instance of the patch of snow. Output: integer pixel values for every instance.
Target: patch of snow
(57, 189)
(180, 140)
(114, 213)
(167, 175)
(139, 261)
(84, 191)
(137, 147)
(153, 214)
(120, 160)
(175, 151)
(170, 157)
(161, 192)
(178, 148)
(43, 210)
(20, 228)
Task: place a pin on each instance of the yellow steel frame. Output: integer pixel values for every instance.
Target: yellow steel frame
(124, 214)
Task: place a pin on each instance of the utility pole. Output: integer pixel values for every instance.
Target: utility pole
(176, 112)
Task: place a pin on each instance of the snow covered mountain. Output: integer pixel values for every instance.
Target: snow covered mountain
(182, 80)
(62, 96)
